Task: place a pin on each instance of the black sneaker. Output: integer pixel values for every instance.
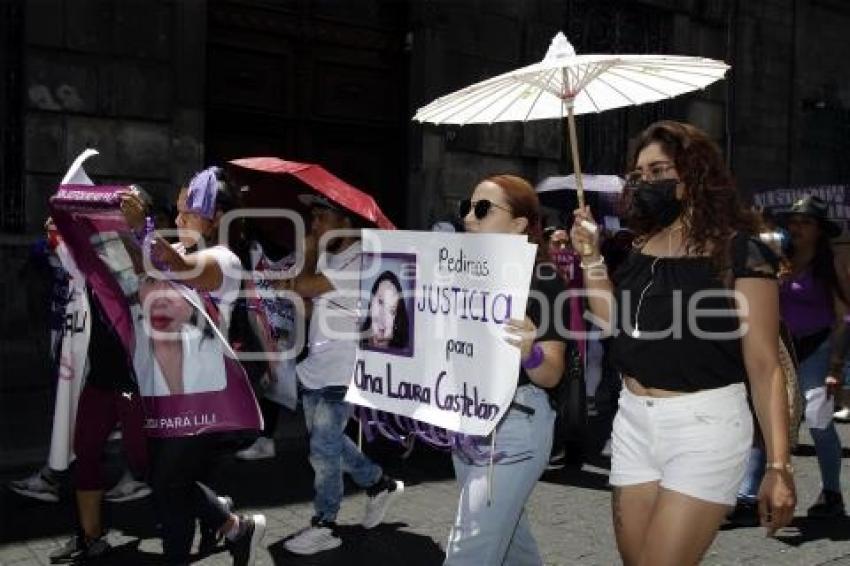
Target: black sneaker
(80, 549)
(745, 514)
(211, 537)
(557, 460)
(829, 504)
(244, 548)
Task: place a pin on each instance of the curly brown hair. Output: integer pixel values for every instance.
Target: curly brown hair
(713, 210)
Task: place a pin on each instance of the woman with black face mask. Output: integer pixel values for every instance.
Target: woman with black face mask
(683, 430)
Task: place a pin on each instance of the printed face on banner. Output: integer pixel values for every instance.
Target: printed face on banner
(166, 309)
(432, 345)
(389, 322)
(177, 352)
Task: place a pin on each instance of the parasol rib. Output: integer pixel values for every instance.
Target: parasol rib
(462, 104)
(604, 81)
(522, 92)
(543, 88)
(445, 109)
(661, 77)
(661, 93)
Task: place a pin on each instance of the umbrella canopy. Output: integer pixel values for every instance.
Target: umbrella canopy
(587, 83)
(272, 181)
(592, 183)
(562, 193)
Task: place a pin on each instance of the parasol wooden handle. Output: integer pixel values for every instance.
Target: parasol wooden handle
(586, 249)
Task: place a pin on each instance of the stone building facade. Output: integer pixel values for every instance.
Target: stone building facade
(162, 87)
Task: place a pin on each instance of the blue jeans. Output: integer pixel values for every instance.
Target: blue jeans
(331, 451)
(811, 374)
(498, 532)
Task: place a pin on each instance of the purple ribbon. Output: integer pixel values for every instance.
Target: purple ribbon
(473, 449)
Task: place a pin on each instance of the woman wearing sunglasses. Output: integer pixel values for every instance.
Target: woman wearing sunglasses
(491, 526)
(683, 430)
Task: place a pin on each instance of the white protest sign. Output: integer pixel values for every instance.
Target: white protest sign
(433, 306)
(74, 343)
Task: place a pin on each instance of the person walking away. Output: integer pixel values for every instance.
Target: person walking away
(324, 376)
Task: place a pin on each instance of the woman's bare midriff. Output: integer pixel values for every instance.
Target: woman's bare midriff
(636, 388)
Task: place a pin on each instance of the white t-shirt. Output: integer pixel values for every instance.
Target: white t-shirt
(231, 274)
(333, 325)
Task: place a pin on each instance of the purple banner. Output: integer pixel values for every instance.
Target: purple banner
(187, 374)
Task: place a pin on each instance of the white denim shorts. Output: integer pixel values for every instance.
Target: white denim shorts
(696, 444)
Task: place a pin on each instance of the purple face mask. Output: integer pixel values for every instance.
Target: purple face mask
(200, 196)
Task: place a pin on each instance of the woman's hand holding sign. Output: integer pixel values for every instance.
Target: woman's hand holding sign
(133, 208)
(521, 334)
(543, 361)
(163, 255)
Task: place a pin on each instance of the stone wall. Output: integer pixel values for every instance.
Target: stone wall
(791, 111)
(455, 44)
(125, 77)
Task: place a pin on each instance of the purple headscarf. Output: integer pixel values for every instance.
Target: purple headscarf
(200, 197)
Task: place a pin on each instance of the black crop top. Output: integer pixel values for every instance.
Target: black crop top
(546, 285)
(683, 356)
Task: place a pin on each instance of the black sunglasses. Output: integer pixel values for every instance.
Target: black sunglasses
(481, 208)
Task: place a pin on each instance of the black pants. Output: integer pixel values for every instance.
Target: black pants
(179, 465)
(271, 413)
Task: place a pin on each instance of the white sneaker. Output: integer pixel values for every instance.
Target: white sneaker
(262, 449)
(36, 486)
(378, 503)
(842, 415)
(318, 537)
(127, 489)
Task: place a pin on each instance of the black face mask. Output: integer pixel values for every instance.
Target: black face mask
(656, 203)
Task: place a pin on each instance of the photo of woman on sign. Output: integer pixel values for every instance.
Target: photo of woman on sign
(386, 323)
(173, 331)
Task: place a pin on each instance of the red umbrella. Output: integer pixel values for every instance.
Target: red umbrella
(272, 181)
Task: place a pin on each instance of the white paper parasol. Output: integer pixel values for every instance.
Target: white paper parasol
(564, 84)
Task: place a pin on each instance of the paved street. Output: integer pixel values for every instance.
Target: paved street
(569, 511)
